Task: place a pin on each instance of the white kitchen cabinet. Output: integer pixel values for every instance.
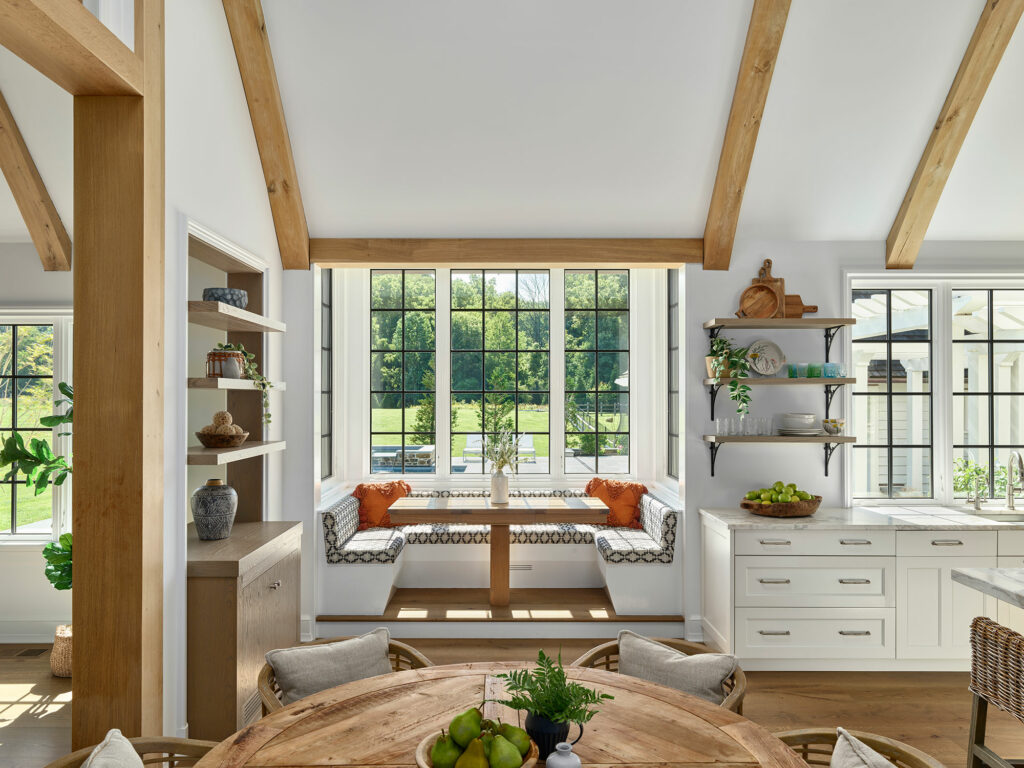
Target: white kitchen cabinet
(828, 582)
(933, 617)
(815, 633)
(1010, 615)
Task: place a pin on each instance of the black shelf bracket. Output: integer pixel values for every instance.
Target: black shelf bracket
(830, 448)
(714, 455)
(714, 331)
(830, 334)
(830, 392)
(713, 391)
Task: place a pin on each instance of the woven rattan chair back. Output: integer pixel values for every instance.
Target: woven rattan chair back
(154, 751)
(997, 678)
(815, 746)
(606, 656)
(402, 657)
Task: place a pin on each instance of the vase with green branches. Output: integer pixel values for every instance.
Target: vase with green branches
(729, 361)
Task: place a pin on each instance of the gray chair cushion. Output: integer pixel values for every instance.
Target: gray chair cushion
(851, 752)
(115, 751)
(308, 669)
(702, 674)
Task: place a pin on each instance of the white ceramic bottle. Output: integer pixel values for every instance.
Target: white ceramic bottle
(563, 757)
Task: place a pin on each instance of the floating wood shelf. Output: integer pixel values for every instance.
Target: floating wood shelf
(213, 457)
(244, 385)
(216, 314)
(776, 380)
(779, 323)
(830, 443)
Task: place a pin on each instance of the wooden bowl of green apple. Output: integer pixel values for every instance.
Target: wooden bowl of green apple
(781, 500)
(472, 741)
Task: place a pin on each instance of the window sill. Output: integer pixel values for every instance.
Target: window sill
(17, 543)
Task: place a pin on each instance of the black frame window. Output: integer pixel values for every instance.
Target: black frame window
(988, 386)
(672, 449)
(597, 341)
(501, 365)
(893, 411)
(403, 336)
(326, 374)
(26, 395)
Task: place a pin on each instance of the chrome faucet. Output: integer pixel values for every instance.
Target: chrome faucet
(1009, 476)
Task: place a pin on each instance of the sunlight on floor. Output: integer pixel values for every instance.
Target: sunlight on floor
(35, 710)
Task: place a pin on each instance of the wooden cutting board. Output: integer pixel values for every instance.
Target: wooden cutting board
(758, 301)
(794, 307)
(764, 279)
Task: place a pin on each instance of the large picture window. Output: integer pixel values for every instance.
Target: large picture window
(988, 387)
(500, 365)
(26, 396)
(892, 398)
(402, 371)
(596, 371)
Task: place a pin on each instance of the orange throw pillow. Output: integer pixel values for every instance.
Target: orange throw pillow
(622, 498)
(374, 501)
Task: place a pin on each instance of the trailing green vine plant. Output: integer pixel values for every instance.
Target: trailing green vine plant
(252, 372)
(732, 362)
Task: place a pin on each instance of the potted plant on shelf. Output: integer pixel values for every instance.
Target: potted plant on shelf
(41, 466)
(251, 371)
(551, 701)
(727, 361)
(502, 451)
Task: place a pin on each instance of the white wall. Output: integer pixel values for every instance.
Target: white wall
(213, 178)
(25, 284)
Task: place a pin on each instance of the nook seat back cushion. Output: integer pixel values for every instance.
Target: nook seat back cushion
(115, 751)
(308, 669)
(702, 674)
(851, 752)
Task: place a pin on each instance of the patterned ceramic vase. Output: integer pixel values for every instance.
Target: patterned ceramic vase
(213, 510)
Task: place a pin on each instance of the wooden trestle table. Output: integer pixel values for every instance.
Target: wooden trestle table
(482, 511)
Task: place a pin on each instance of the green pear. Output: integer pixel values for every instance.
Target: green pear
(445, 752)
(473, 757)
(465, 727)
(489, 725)
(504, 754)
(520, 739)
(487, 738)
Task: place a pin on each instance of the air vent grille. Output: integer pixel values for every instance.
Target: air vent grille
(252, 710)
(520, 567)
(32, 652)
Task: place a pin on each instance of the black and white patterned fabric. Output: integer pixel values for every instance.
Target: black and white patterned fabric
(483, 493)
(343, 543)
(440, 533)
(655, 542)
(553, 533)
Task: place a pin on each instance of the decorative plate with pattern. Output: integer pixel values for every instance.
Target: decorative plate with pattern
(765, 357)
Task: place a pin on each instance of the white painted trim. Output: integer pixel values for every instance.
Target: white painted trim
(16, 631)
(216, 241)
(500, 629)
(854, 665)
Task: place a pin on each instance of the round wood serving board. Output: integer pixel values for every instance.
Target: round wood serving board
(758, 301)
(423, 753)
(783, 509)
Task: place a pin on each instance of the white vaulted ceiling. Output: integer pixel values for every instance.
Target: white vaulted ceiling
(605, 118)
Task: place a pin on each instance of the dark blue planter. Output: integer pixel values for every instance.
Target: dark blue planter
(548, 734)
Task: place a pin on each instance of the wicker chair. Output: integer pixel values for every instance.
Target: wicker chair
(402, 656)
(997, 669)
(606, 657)
(154, 750)
(815, 745)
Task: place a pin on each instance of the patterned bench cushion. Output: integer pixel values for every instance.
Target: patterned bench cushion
(440, 533)
(483, 493)
(654, 543)
(344, 544)
(553, 533)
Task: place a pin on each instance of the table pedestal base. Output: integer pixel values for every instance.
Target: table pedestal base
(500, 561)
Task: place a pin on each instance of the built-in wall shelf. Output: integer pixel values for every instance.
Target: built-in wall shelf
(224, 317)
(221, 383)
(831, 386)
(214, 457)
(779, 323)
(830, 443)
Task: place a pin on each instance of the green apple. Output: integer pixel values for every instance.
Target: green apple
(785, 498)
(766, 496)
(753, 496)
(778, 486)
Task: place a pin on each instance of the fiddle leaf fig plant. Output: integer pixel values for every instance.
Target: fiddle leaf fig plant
(251, 371)
(58, 562)
(732, 362)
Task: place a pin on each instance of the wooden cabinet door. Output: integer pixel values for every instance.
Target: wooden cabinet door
(933, 615)
(268, 618)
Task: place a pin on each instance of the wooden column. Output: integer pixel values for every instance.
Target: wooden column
(119, 421)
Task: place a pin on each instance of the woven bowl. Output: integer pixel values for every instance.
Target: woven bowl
(423, 753)
(221, 441)
(783, 509)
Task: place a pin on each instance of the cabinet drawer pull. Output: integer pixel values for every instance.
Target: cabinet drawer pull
(855, 581)
(947, 543)
(773, 632)
(854, 632)
(276, 584)
(774, 581)
(775, 542)
(854, 542)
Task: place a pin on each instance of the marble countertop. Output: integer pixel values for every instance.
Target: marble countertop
(1005, 583)
(891, 518)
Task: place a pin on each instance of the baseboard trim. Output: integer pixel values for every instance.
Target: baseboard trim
(41, 631)
(695, 628)
(307, 628)
(501, 629)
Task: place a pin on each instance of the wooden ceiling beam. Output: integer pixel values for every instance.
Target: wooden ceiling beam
(37, 209)
(259, 79)
(992, 34)
(69, 45)
(764, 36)
(505, 252)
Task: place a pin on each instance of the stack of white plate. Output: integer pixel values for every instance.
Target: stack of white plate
(799, 425)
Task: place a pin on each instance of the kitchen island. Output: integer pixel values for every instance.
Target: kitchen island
(850, 588)
(1006, 584)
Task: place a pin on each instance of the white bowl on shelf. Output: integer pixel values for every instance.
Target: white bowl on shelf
(798, 421)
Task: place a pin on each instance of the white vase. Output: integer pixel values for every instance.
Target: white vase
(499, 487)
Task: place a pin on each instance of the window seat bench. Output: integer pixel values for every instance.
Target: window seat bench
(359, 570)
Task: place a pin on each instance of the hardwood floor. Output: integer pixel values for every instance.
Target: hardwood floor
(929, 710)
(35, 708)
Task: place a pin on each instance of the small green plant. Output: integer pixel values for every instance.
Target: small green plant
(546, 692)
(58, 562)
(967, 476)
(732, 362)
(36, 460)
(502, 451)
(252, 372)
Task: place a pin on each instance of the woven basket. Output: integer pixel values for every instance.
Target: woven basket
(783, 509)
(60, 656)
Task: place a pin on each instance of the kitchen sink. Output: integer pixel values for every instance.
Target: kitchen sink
(996, 514)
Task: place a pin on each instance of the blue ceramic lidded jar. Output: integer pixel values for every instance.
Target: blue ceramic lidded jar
(213, 509)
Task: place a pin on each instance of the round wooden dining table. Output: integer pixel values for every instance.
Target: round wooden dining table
(381, 720)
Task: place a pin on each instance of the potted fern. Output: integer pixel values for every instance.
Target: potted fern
(551, 701)
(502, 451)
